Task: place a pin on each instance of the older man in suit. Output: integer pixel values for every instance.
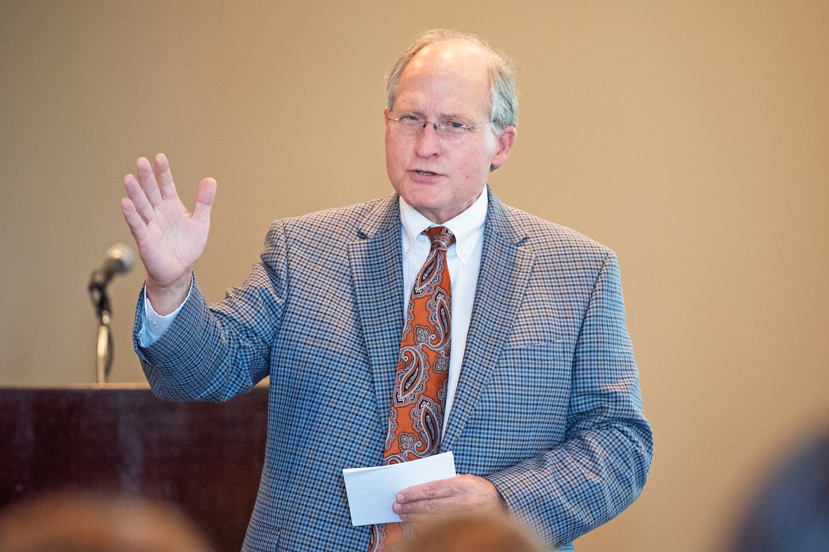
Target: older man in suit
(538, 396)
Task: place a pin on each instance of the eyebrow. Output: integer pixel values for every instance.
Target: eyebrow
(440, 117)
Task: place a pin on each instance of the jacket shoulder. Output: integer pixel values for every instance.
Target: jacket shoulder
(544, 237)
(342, 223)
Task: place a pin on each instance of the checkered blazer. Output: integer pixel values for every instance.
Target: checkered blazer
(548, 407)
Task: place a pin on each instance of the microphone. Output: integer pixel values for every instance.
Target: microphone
(118, 260)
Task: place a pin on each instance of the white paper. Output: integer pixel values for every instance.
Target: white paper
(372, 491)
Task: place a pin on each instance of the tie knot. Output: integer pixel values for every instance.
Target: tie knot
(440, 236)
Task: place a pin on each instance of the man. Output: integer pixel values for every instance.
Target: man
(483, 532)
(541, 399)
(74, 521)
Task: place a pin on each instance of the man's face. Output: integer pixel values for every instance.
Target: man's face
(441, 178)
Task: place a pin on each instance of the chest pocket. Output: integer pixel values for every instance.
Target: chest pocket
(522, 406)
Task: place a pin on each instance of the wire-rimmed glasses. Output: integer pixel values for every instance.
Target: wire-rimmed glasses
(449, 128)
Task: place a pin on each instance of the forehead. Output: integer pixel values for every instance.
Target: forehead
(446, 78)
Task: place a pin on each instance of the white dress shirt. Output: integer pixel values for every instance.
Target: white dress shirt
(463, 259)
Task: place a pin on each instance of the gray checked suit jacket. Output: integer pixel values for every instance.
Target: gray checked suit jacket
(548, 407)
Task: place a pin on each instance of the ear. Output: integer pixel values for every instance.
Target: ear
(505, 142)
(386, 114)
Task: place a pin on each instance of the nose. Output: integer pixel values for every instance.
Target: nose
(428, 142)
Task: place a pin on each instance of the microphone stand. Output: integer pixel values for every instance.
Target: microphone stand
(98, 294)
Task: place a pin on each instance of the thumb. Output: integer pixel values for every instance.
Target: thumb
(205, 195)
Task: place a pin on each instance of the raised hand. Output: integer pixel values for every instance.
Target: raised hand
(170, 238)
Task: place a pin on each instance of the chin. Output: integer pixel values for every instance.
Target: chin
(423, 199)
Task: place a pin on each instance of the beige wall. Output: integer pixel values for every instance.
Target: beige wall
(690, 136)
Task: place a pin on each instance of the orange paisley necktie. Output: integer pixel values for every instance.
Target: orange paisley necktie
(416, 414)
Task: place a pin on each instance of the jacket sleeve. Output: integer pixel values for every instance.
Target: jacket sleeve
(215, 353)
(601, 466)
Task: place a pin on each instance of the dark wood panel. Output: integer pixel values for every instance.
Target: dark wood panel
(206, 458)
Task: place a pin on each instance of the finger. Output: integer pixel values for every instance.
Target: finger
(204, 199)
(138, 227)
(146, 178)
(164, 177)
(427, 506)
(423, 509)
(138, 198)
(441, 488)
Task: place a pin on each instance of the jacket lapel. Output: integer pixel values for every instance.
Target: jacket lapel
(505, 269)
(377, 276)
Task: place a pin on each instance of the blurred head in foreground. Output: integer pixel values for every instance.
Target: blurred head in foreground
(491, 532)
(791, 512)
(73, 522)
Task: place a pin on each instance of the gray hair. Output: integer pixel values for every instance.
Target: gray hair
(504, 110)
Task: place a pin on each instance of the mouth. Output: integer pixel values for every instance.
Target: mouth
(425, 173)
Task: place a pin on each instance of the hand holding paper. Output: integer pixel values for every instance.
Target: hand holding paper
(372, 491)
(460, 494)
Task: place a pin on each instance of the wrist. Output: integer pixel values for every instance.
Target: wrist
(165, 299)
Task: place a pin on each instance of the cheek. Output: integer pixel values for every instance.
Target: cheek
(480, 160)
(395, 153)
(489, 150)
(392, 160)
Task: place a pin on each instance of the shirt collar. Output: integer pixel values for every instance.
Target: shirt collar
(466, 226)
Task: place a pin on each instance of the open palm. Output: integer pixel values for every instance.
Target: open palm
(170, 238)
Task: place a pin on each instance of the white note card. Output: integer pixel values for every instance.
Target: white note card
(371, 491)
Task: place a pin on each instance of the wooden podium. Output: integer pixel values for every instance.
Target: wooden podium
(205, 458)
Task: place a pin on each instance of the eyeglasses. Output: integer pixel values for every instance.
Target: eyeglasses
(447, 127)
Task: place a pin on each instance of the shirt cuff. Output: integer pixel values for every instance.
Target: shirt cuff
(154, 325)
